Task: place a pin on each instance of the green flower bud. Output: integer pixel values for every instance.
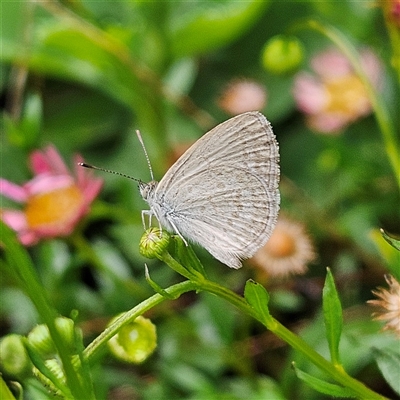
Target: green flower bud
(39, 337)
(14, 360)
(66, 328)
(282, 54)
(135, 341)
(154, 242)
(54, 366)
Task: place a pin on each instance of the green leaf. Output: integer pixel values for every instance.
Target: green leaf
(32, 119)
(258, 298)
(18, 261)
(156, 287)
(25, 132)
(40, 364)
(94, 116)
(93, 58)
(388, 248)
(389, 365)
(332, 316)
(392, 241)
(70, 53)
(198, 26)
(5, 391)
(181, 75)
(187, 257)
(323, 386)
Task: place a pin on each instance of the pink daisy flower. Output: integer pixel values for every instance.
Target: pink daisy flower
(53, 202)
(334, 96)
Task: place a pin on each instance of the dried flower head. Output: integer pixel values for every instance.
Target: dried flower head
(389, 303)
(288, 251)
(241, 96)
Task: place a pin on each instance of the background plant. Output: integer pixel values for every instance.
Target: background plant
(84, 76)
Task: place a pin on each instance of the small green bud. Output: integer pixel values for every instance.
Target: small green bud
(54, 366)
(14, 360)
(154, 242)
(135, 341)
(39, 337)
(66, 328)
(56, 369)
(282, 54)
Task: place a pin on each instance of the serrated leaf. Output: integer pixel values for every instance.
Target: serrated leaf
(322, 386)
(389, 365)
(258, 298)
(333, 317)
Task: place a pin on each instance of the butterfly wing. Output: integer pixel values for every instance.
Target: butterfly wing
(223, 192)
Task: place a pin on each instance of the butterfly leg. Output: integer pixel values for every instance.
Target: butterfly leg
(178, 233)
(150, 214)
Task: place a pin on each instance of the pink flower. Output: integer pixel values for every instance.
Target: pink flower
(392, 12)
(54, 201)
(242, 95)
(334, 96)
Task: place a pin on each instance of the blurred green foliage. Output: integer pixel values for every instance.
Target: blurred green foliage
(84, 75)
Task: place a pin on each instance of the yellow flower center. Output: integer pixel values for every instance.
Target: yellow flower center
(281, 244)
(347, 95)
(54, 209)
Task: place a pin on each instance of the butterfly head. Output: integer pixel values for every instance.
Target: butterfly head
(147, 190)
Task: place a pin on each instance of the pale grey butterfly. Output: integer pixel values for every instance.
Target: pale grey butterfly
(222, 193)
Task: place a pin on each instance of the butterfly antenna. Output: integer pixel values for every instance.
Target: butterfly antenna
(109, 171)
(145, 153)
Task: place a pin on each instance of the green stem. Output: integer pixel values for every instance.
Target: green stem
(336, 372)
(199, 282)
(93, 348)
(394, 35)
(21, 267)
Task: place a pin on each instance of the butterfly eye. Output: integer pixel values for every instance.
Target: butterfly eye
(144, 190)
(147, 189)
